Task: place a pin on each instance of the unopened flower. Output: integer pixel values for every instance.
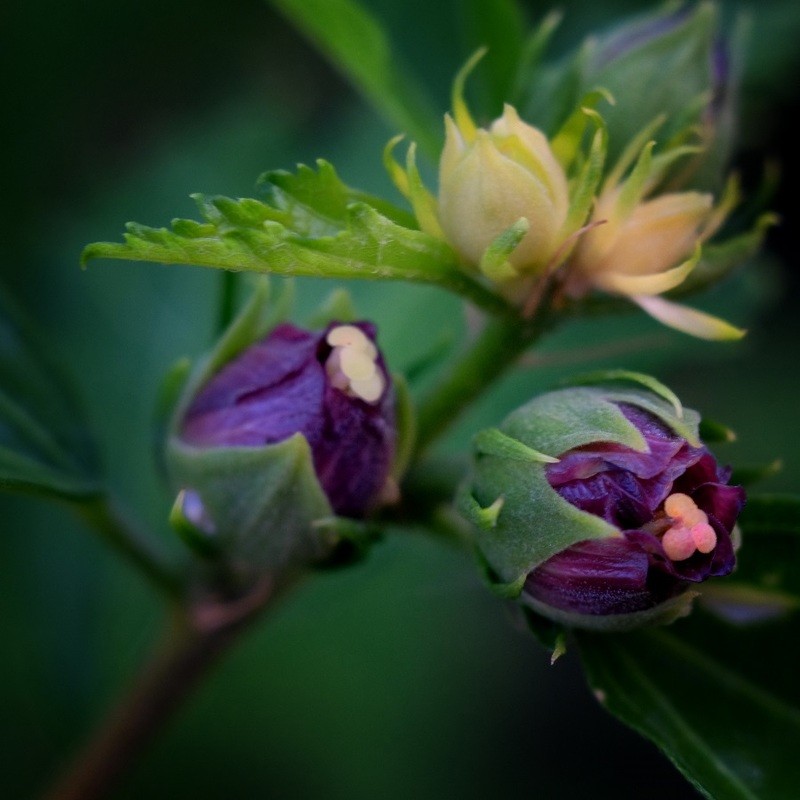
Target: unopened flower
(331, 386)
(506, 204)
(491, 178)
(602, 507)
(268, 447)
(675, 61)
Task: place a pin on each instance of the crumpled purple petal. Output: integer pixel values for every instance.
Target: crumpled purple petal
(599, 577)
(627, 488)
(621, 485)
(278, 387)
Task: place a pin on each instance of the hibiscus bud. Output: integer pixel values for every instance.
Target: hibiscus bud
(297, 427)
(601, 508)
(671, 62)
(489, 179)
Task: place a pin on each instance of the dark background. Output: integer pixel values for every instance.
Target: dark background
(403, 676)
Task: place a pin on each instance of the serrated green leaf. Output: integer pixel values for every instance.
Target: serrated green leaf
(316, 202)
(45, 445)
(357, 242)
(722, 701)
(359, 47)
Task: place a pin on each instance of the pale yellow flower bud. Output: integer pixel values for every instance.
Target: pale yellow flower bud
(491, 178)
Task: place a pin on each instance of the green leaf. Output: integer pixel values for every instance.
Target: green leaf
(317, 201)
(722, 701)
(766, 583)
(499, 26)
(44, 442)
(355, 43)
(305, 233)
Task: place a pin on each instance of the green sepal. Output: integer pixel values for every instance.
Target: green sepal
(713, 432)
(507, 591)
(626, 376)
(494, 262)
(169, 394)
(549, 634)
(263, 502)
(493, 442)
(353, 539)
(202, 542)
(663, 614)
(254, 321)
(719, 259)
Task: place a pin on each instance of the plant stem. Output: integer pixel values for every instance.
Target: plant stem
(191, 646)
(139, 548)
(227, 299)
(497, 347)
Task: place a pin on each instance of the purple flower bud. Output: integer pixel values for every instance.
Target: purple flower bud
(331, 386)
(672, 506)
(599, 506)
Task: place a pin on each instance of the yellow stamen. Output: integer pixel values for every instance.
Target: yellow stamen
(704, 536)
(690, 530)
(678, 543)
(352, 365)
(676, 505)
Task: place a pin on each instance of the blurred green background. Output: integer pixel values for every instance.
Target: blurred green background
(403, 676)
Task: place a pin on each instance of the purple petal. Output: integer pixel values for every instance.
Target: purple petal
(599, 576)
(279, 387)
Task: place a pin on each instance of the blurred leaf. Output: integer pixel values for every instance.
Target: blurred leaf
(713, 432)
(311, 230)
(722, 701)
(720, 258)
(766, 583)
(44, 441)
(355, 42)
(499, 26)
(748, 475)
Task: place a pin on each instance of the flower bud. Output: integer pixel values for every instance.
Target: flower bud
(601, 507)
(676, 63)
(298, 426)
(491, 178)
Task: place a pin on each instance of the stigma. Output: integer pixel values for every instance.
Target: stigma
(352, 365)
(689, 532)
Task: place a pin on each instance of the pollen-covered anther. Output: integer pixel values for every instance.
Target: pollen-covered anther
(690, 530)
(352, 365)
